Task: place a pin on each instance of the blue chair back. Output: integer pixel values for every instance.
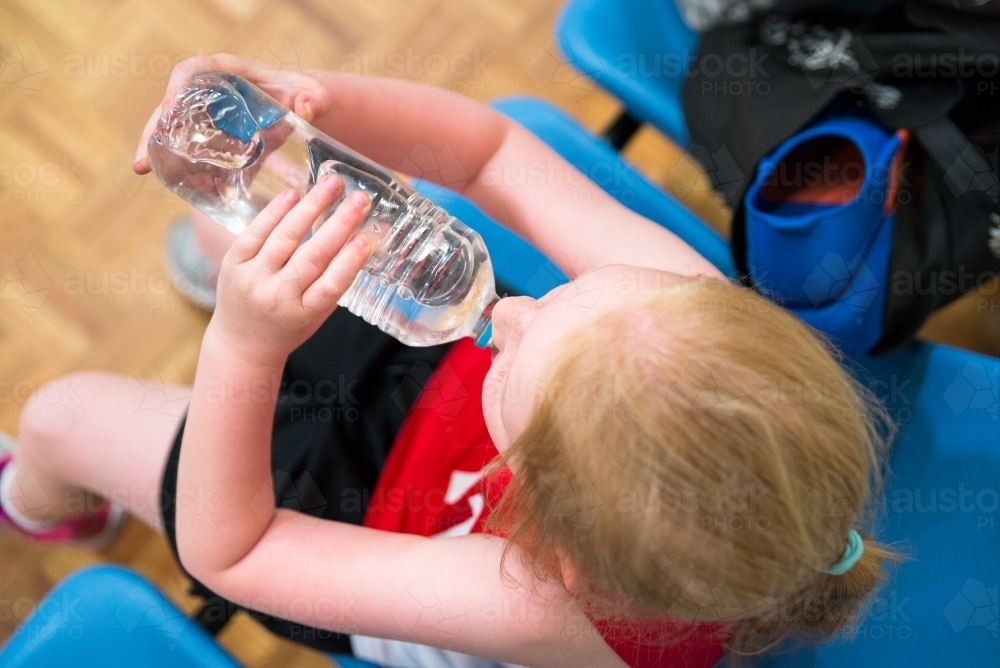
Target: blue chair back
(638, 50)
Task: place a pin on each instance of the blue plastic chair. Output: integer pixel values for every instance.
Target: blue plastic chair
(637, 50)
(640, 52)
(111, 617)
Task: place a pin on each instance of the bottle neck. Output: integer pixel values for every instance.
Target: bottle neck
(482, 332)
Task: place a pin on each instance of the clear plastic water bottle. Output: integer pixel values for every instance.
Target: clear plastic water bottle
(229, 148)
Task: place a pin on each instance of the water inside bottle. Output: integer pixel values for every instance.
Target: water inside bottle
(228, 148)
(193, 128)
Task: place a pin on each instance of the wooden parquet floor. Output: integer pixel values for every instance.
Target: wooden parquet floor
(81, 282)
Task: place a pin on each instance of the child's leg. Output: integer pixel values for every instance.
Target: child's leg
(95, 434)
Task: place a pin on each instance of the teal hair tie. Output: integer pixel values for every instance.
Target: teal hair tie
(855, 548)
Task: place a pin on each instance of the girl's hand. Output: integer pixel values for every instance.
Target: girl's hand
(274, 293)
(300, 92)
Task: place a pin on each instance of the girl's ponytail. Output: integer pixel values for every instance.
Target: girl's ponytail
(830, 604)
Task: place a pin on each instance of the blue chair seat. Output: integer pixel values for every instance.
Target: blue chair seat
(113, 618)
(939, 607)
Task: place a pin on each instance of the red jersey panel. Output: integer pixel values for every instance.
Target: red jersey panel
(433, 485)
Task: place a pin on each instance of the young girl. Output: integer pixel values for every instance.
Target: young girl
(655, 465)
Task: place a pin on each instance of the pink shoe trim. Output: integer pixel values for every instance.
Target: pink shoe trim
(84, 530)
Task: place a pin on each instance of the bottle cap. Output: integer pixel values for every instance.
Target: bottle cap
(486, 337)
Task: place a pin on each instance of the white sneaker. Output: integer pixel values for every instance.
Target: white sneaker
(192, 273)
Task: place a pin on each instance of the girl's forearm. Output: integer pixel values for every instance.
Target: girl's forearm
(225, 498)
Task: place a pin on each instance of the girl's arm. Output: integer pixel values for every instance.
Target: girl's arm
(514, 176)
(272, 295)
(465, 145)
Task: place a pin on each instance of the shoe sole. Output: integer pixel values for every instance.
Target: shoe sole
(200, 296)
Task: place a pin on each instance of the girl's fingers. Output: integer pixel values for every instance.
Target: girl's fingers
(287, 236)
(313, 258)
(252, 239)
(322, 296)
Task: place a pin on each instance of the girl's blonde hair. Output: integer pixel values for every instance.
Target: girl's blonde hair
(701, 455)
